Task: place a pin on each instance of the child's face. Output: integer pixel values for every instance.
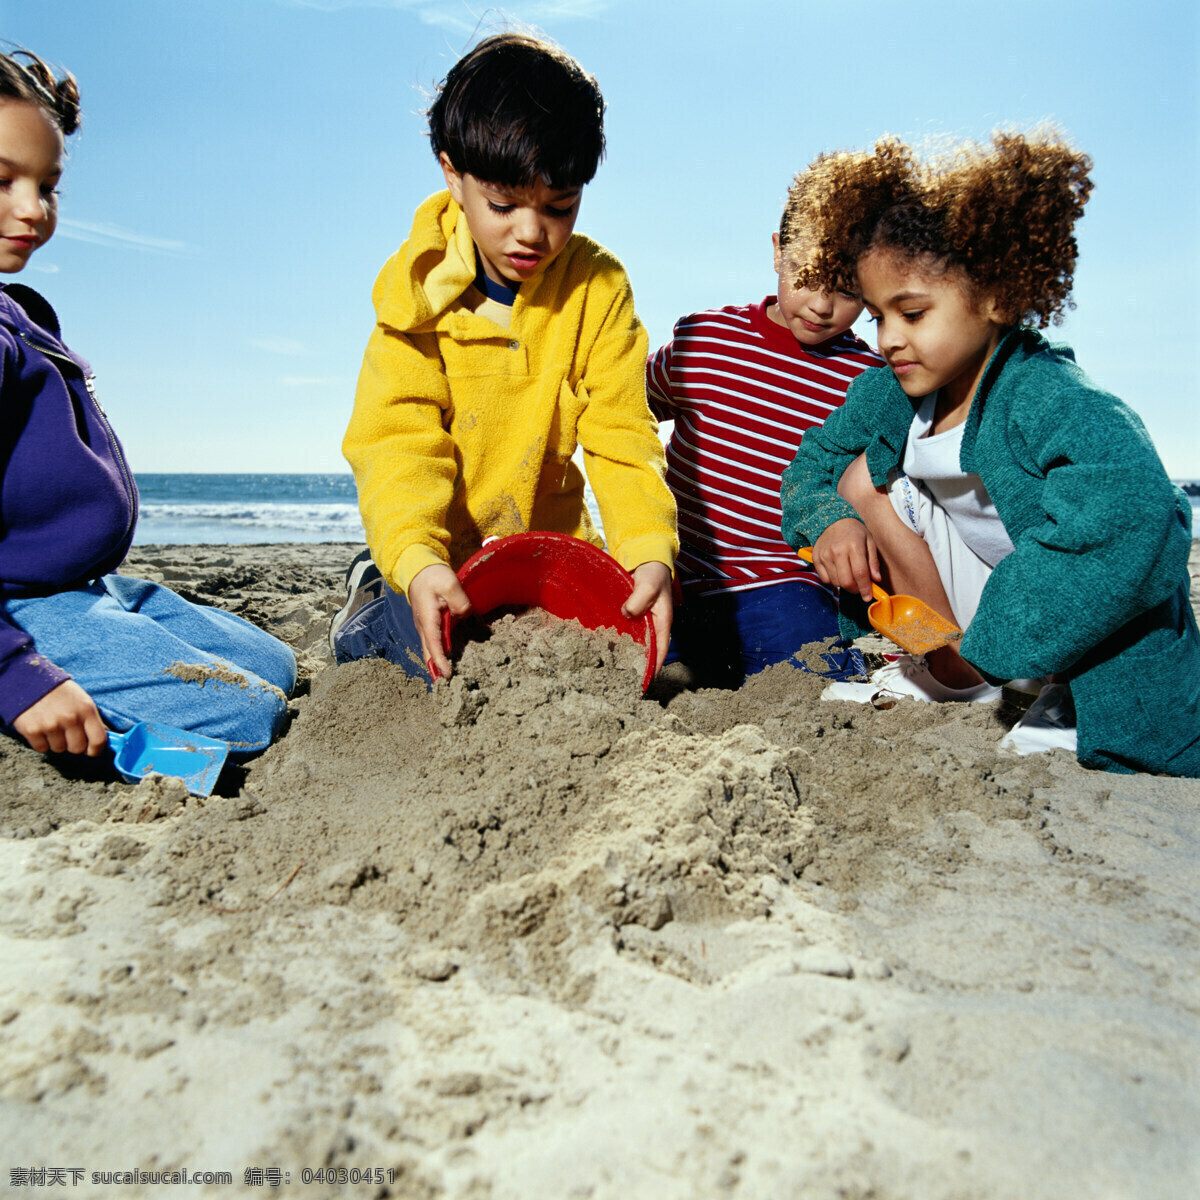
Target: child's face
(517, 231)
(31, 150)
(932, 332)
(812, 317)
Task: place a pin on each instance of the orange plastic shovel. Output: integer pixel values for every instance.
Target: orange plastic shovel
(905, 620)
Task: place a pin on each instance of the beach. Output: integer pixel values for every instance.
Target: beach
(530, 940)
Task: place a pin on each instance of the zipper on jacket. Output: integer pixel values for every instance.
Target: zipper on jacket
(49, 351)
(113, 444)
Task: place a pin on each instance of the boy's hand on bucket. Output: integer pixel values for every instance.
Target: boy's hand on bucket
(652, 593)
(432, 592)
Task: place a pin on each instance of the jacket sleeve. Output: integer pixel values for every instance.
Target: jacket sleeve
(808, 492)
(1108, 541)
(25, 676)
(621, 450)
(401, 453)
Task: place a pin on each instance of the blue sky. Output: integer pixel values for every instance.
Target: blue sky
(246, 166)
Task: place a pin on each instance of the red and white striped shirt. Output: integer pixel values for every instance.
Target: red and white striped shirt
(741, 391)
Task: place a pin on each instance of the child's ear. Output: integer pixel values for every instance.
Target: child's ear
(452, 177)
(778, 256)
(994, 313)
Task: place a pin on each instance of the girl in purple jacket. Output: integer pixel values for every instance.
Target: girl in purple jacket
(82, 648)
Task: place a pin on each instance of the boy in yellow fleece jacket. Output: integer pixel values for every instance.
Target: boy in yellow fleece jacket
(502, 341)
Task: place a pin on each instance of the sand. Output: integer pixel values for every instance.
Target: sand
(534, 935)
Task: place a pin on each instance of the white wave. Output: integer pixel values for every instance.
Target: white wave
(332, 519)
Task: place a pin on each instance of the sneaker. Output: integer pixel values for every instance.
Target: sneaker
(860, 693)
(908, 675)
(364, 583)
(1048, 725)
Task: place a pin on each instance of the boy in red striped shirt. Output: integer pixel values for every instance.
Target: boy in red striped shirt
(742, 385)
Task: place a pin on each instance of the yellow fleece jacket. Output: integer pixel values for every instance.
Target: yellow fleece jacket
(463, 430)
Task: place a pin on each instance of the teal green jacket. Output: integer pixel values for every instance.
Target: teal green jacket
(1097, 584)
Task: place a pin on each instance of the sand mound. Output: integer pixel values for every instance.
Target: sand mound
(536, 798)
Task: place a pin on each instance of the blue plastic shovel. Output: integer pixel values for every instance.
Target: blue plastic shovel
(149, 748)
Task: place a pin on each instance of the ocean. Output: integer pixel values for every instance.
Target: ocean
(182, 509)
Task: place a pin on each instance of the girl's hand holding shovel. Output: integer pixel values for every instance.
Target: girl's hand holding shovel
(66, 720)
(845, 556)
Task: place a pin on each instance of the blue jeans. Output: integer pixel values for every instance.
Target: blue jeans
(383, 628)
(724, 637)
(127, 642)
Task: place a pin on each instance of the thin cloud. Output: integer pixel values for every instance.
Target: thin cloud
(99, 233)
(467, 17)
(291, 347)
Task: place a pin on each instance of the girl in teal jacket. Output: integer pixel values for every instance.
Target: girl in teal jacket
(1068, 545)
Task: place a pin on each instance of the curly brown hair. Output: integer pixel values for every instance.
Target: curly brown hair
(33, 82)
(1002, 213)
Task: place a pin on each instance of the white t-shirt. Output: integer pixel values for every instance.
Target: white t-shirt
(933, 461)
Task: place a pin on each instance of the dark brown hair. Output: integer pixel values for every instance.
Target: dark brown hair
(1003, 213)
(32, 81)
(517, 109)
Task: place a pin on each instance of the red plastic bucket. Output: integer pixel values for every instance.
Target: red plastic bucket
(567, 577)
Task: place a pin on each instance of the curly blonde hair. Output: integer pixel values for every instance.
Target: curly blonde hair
(1003, 213)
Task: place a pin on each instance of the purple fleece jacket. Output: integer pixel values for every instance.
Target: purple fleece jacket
(68, 501)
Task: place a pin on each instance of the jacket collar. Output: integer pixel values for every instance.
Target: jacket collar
(21, 308)
(1019, 342)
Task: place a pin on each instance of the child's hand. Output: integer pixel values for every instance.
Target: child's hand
(66, 720)
(845, 556)
(652, 592)
(434, 591)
